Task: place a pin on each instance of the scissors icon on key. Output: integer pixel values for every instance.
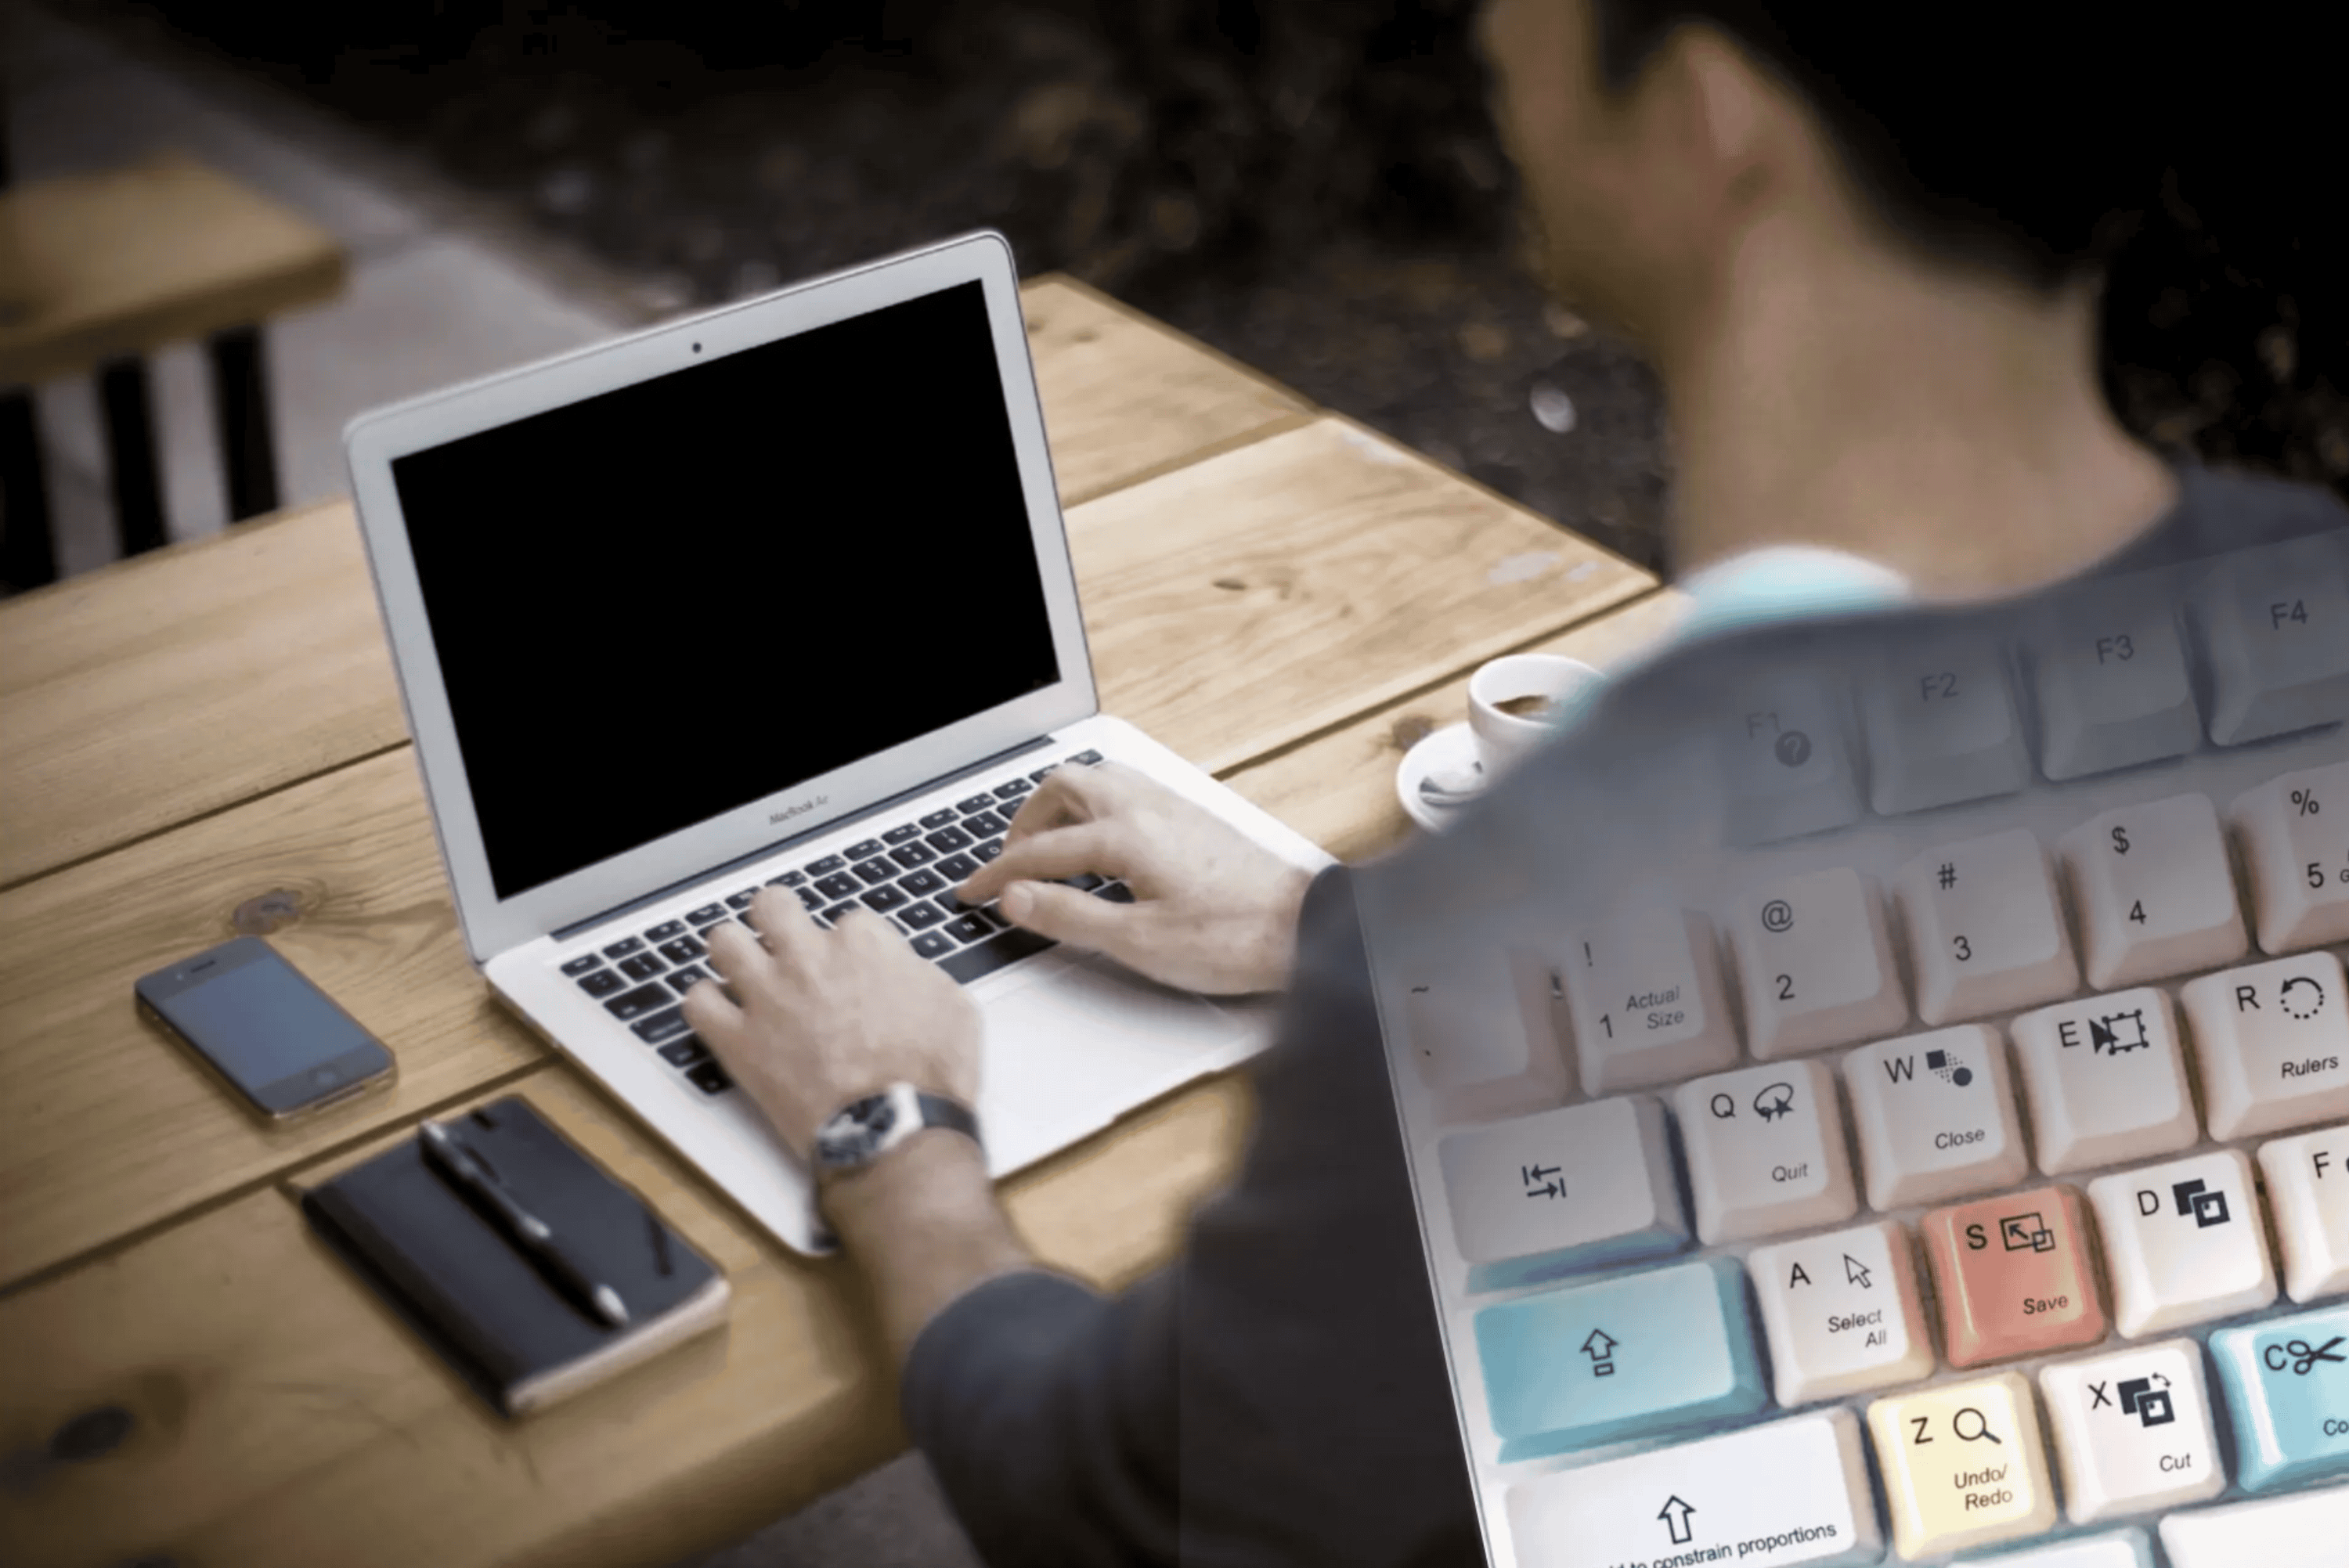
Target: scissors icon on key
(2304, 1355)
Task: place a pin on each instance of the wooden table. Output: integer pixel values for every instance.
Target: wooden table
(208, 740)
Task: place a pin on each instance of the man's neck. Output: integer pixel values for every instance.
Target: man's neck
(1951, 430)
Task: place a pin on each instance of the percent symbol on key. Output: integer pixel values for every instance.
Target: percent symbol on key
(2306, 801)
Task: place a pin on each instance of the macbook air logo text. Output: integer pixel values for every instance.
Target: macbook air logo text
(802, 810)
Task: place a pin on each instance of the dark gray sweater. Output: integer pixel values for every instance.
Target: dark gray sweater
(1278, 1393)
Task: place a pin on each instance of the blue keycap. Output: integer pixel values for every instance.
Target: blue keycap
(2287, 1383)
(1570, 1369)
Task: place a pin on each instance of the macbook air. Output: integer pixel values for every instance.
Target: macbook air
(776, 594)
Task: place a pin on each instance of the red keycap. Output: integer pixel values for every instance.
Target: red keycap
(2013, 1275)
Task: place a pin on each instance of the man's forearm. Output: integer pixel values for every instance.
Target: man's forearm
(924, 1227)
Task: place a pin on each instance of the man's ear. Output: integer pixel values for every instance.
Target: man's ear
(1728, 108)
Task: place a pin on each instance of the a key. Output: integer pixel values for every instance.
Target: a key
(921, 916)
(1985, 929)
(2272, 1040)
(739, 901)
(600, 983)
(2287, 1383)
(973, 803)
(1007, 947)
(2110, 665)
(709, 1077)
(863, 849)
(682, 950)
(2302, 1532)
(665, 930)
(881, 900)
(1647, 1002)
(947, 839)
(1766, 1150)
(641, 967)
(1011, 789)
(706, 913)
(1936, 1116)
(622, 948)
(1816, 964)
(903, 831)
(583, 963)
(2308, 1192)
(662, 1025)
(2183, 1243)
(2154, 891)
(912, 855)
(2133, 1431)
(2275, 627)
(2121, 1549)
(684, 1052)
(874, 871)
(1841, 1313)
(2105, 1080)
(2297, 853)
(824, 867)
(939, 819)
(1962, 1464)
(983, 824)
(1478, 1028)
(839, 885)
(1646, 1353)
(1800, 1483)
(1941, 727)
(1583, 1187)
(1787, 770)
(2013, 1276)
(682, 980)
(933, 943)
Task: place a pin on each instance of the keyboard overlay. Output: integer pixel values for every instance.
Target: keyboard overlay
(905, 872)
(1965, 1165)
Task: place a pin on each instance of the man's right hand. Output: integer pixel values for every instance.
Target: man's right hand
(1214, 912)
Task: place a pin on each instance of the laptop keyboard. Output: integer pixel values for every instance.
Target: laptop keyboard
(907, 874)
(1969, 1166)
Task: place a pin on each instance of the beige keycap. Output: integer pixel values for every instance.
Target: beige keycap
(2183, 1243)
(1935, 1114)
(1476, 1027)
(2294, 831)
(2272, 1040)
(1646, 996)
(1766, 1150)
(1962, 1464)
(1815, 964)
(1842, 1313)
(2105, 1080)
(2133, 1431)
(2154, 892)
(2308, 1189)
(1985, 928)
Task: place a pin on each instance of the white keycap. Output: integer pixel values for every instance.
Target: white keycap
(2295, 836)
(1786, 766)
(2154, 892)
(1766, 1150)
(2121, 1549)
(1577, 1187)
(1985, 929)
(1646, 1001)
(2105, 1080)
(1935, 1114)
(1941, 725)
(2308, 1191)
(2133, 1431)
(2273, 1042)
(1841, 1313)
(2183, 1243)
(2275, 626)
(1477, 1027)
(2302, 1530)
(2110, 665)
(1799, 1485)
(1814, 963)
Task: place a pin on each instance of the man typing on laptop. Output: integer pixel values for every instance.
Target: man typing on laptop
(1875, 315)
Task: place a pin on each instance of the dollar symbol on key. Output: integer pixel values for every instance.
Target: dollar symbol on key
(2120, 840)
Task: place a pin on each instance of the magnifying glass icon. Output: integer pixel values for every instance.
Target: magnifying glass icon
(1982, 1427)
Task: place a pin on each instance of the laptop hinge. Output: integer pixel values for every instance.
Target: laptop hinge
(715, 873)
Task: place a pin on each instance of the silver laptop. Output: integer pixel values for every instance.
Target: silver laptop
(779, 594)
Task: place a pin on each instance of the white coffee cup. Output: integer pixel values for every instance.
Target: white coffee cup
(1553, 687)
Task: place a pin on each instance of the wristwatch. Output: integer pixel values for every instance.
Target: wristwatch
(864, 1130)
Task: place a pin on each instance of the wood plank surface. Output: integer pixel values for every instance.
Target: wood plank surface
(281, 1415)
(1252, 599)
(106, 1125)
(1339, 789)
(125, 260)
(155, 690)
(1127, 396)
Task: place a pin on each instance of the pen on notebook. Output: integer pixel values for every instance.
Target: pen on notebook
(449, 1156)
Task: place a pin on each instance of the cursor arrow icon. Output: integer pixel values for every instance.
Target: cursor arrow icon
(1854, 1272)
(1675, 1515)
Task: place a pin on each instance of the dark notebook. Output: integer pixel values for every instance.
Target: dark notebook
(520, 1341)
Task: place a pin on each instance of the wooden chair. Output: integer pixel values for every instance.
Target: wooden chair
(99, 271)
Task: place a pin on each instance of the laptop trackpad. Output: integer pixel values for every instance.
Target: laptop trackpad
(1086, 1042)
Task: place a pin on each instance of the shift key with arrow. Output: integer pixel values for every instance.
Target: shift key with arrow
(1794, 1492)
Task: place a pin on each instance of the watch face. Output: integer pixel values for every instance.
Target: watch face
(854, 1134)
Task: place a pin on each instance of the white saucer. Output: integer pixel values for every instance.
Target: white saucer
(1452, 749)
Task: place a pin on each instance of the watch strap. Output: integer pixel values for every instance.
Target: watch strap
(864, 1131)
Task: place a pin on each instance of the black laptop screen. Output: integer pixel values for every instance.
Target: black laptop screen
(666, 601)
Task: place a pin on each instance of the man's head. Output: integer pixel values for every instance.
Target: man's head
(1653, 134)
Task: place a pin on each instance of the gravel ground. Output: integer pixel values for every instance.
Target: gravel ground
(1319, 197)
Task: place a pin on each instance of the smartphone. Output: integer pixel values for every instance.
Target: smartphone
(269, 1033)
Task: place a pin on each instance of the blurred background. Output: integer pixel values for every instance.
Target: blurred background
(1314, 187)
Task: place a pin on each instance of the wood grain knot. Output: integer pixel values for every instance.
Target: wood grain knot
(273, 911)
(92, 1435)
(1231, 584)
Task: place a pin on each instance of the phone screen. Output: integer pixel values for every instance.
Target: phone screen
(270, 1031)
